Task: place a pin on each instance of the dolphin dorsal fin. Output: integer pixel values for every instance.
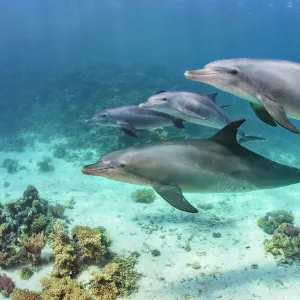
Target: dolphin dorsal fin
(227, 135)
(158, 92)
(212, 96)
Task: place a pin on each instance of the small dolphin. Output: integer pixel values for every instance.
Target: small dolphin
(193, 108)
(130, 118)
(271, 86)
(215, 165)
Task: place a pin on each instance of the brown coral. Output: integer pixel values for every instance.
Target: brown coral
(92, 242)
(62, 288)
(103, 287)
(64, 252)
(117, 279)
(34, 245)
(19, 294)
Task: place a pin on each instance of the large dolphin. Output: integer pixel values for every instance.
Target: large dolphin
(215, 165)
(130, 118)
(271, 86)
(193, 108)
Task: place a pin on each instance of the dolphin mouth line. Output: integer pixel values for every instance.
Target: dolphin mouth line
(200, 73)
(87, 171)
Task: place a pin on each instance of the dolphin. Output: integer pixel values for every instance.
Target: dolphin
(271, 86)
(130, 118)
(215, 165)
(194, 108)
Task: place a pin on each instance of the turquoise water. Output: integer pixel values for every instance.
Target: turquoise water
(60, 62)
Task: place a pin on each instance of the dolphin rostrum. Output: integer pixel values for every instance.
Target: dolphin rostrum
(271, 86)
(215, 165)
(130, 118)
(193, 108)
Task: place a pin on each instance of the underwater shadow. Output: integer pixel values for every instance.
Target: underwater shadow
(213, 283)
(202, 219)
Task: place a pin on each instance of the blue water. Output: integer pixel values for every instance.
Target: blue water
(60, 61)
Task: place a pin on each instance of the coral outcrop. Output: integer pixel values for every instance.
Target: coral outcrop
(26, 272)
(6, 285)
(64, 252)
(285, 243)
(62, 288)
(19, 294)
(118, 278)
(91, 243)
(45, 165)
(31, 217)
(34, 245)
(143, 195)
(271, 221)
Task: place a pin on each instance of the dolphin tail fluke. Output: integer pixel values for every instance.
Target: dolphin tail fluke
(248, 138)
(173, 195)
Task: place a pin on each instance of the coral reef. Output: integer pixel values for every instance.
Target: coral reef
(119, 278)
(285, 243)
(92, 244)
(6, 184)
(143, 195)
(57, 210)
(26, 272)
(158, 135)
(6, 285)
(34, 245)
(64, 252)
(19, 294)
(60, 151)
(155, 252)
(70, 203)
(62, 288)
(26, 216)
(103, 286)
(271, 221)
(45, 165)
(10, 165)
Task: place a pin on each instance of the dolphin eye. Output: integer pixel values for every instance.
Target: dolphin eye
(122, 165)
(233, 72)
(164, 99)
(103, 115)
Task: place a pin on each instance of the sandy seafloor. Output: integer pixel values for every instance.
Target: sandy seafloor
(225, 270)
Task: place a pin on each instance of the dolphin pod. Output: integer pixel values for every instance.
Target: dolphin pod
(271, 86)
(215, 165)
(196, 166)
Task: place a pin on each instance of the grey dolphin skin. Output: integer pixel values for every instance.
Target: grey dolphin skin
(130, 118)
(193, 108)
(215, 165)
(271, 86)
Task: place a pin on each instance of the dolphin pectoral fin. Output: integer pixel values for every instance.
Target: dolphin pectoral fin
(262, 114)
(224, 106)
(277, 113)
(129, 132)
(178, 123)
(128, 129)
(211, 96)
(173, 195)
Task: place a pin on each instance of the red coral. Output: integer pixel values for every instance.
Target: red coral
(6, 284)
